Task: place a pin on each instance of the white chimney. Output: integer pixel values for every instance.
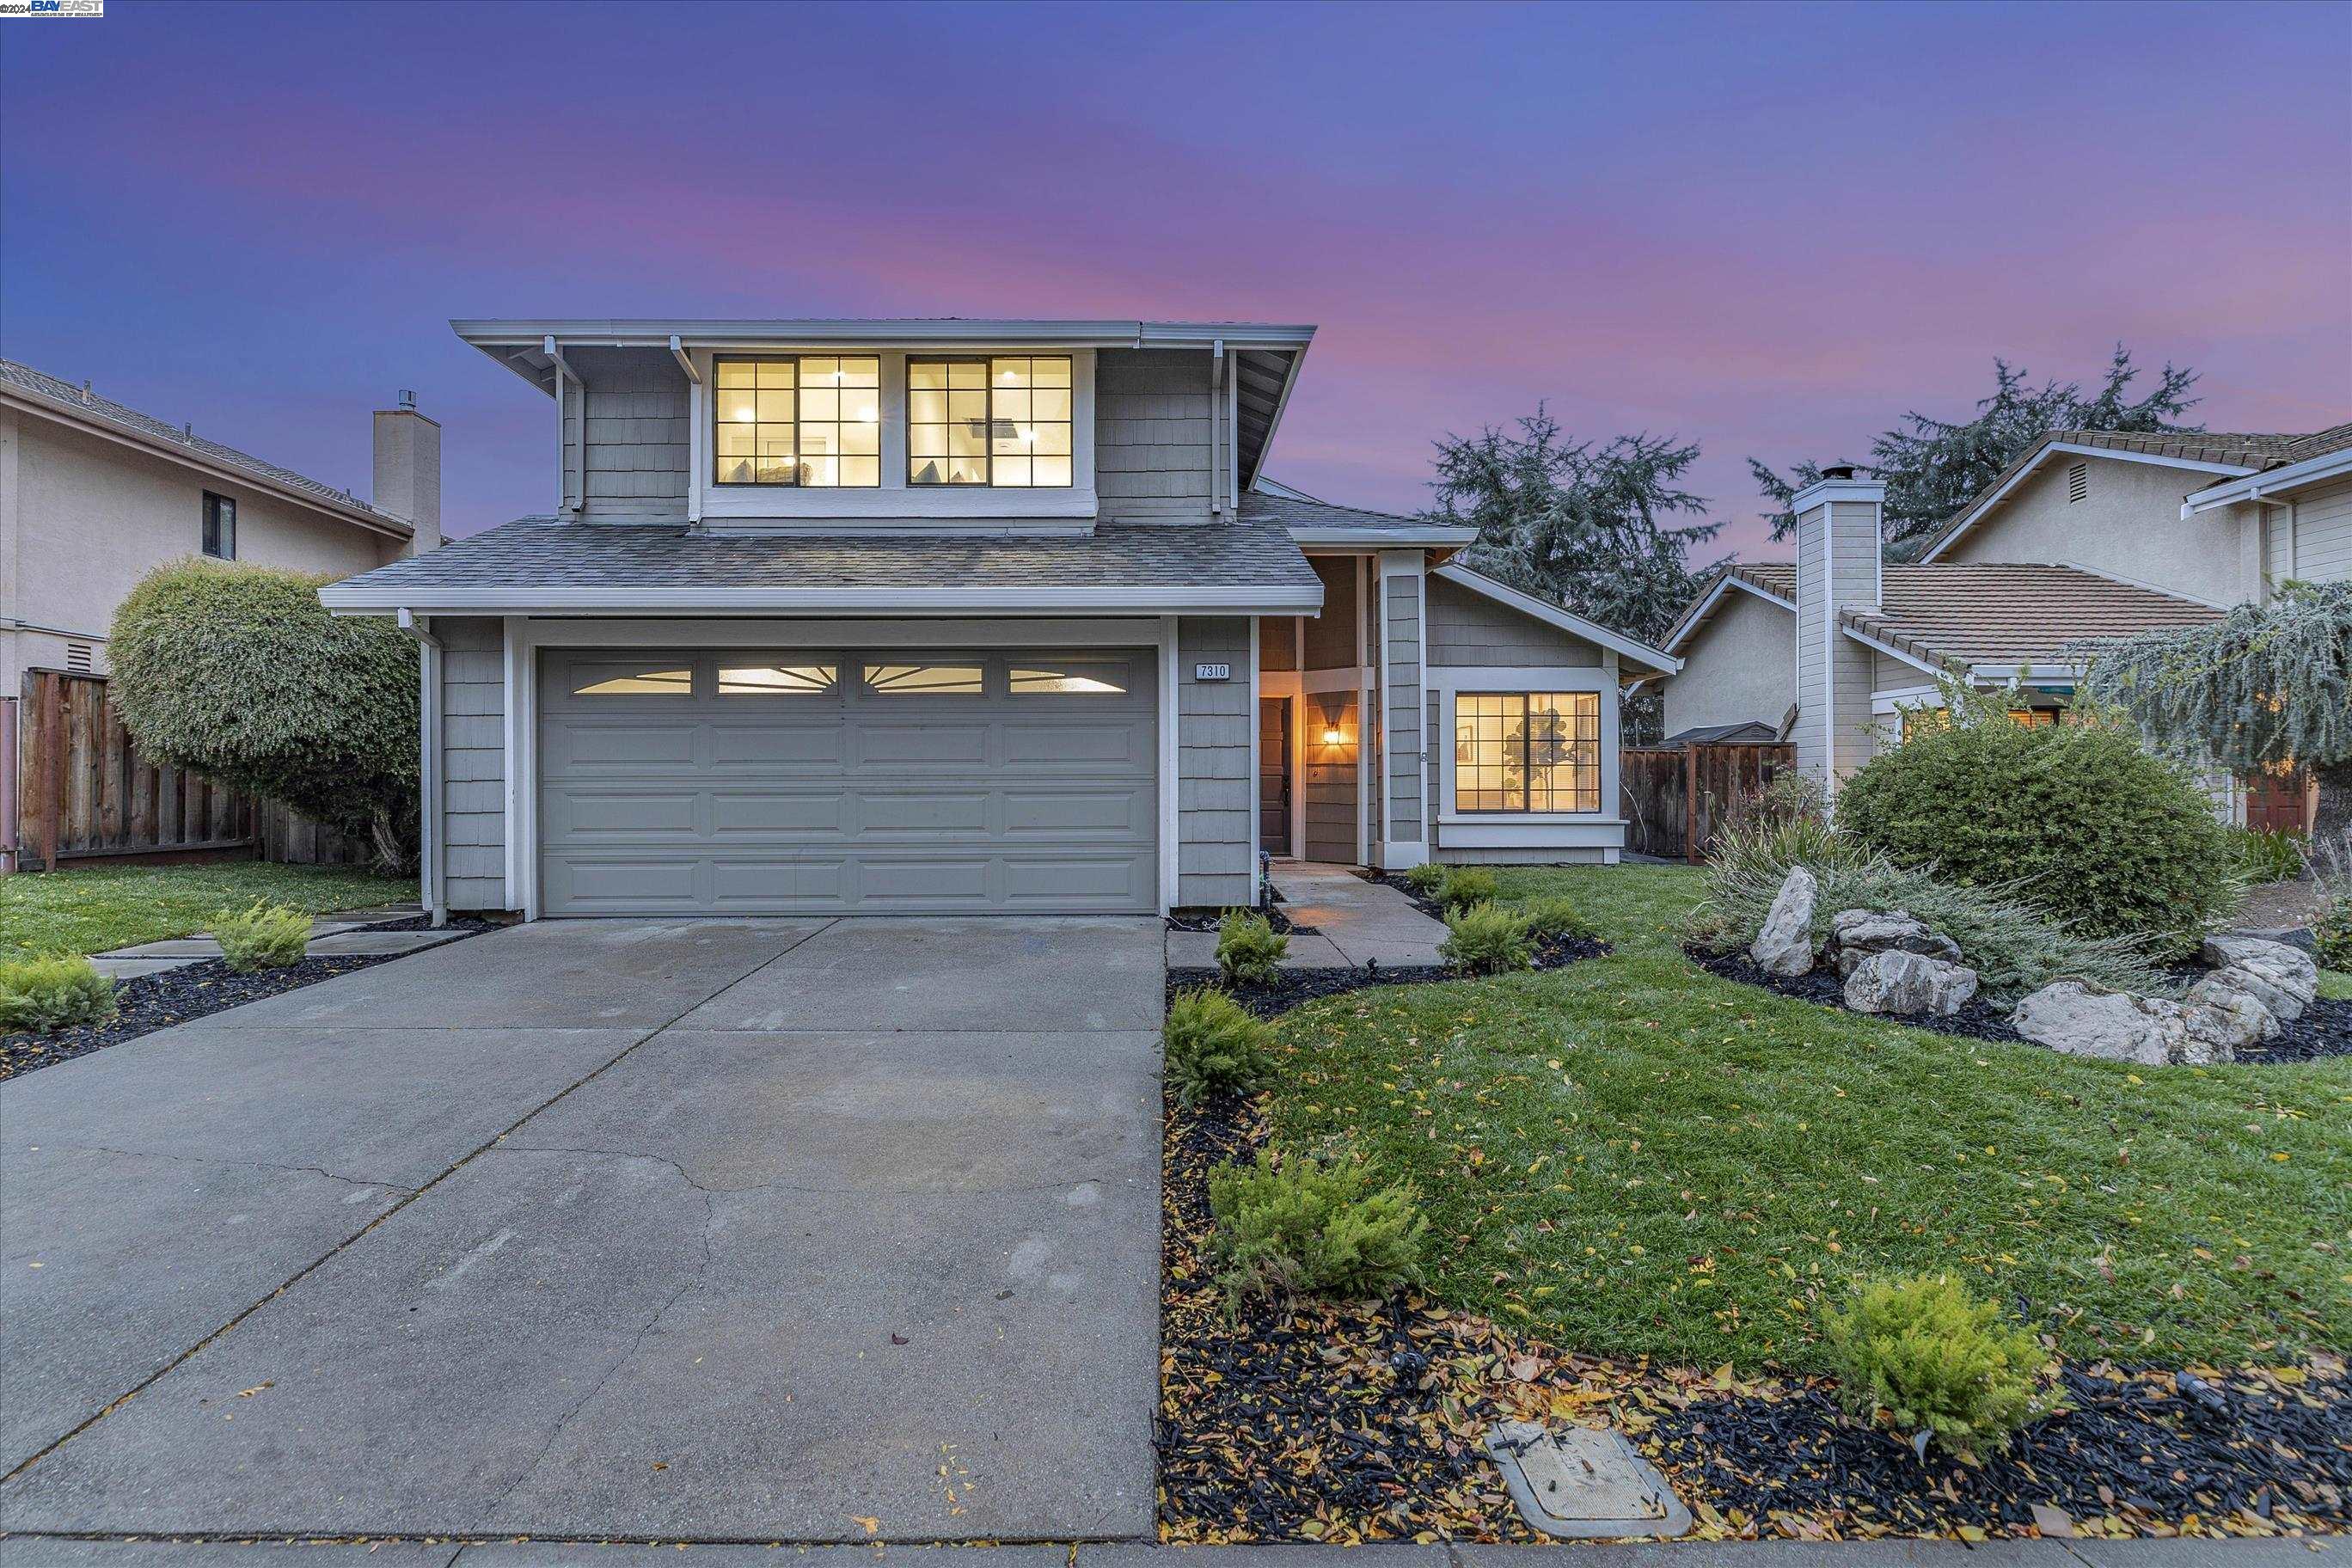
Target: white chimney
(408, 470)
(1838, 517)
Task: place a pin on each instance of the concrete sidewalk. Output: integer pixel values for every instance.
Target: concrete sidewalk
(342, 935)
(2331, 1552)
(1353, 922)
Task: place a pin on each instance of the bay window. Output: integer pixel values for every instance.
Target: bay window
(1527, 750)
(1002, 421)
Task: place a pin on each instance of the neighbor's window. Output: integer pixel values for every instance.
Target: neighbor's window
(1002, 421)
(1070, 681)
(610, 681)
(776, 680)
(220, 526)
(924, 679)
(814, 420)
(1527, 750)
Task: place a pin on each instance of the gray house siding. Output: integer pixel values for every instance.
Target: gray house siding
(1738, 667)
(1469, 629)
(1214, 721)
(1330, 781)
(1810, 736)
(1153, 413)
(639, 442)
(2319, 535)
(1331, 636)
(1401, 705)
(473, 762)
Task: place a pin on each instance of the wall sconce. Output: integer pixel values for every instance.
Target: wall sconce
(1332, 737)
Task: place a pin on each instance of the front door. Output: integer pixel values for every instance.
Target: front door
(1273, 774)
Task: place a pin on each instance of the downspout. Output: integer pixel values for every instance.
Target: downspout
(430, 878)
(1216, 452)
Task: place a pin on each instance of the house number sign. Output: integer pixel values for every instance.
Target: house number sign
(1212, 672)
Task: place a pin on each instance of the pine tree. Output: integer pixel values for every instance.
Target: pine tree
(1932, 467)
(1585, 524)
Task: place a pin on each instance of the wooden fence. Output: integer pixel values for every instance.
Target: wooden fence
(1674, 798)
(85, 794)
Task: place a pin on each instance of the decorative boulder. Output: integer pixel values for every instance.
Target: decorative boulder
(1784, 946)
(2084, 1019)
(2221, 992)
(2285, 979)
(1855, 935)
(1896, 980)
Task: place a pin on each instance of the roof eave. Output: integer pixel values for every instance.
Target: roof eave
(353, 597)
(1433, 536)
(352, 511)
(2269, 481)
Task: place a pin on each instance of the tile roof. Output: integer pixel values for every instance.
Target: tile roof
(546, 552)
(1777, 577)
(2011, 612)
(2318, 444)
(1750, 731)
(1773, 576)
(1300, 512)
(104, 411)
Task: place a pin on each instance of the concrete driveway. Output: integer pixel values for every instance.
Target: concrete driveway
(704, 1229)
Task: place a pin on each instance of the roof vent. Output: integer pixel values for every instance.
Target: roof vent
(80, 657)
(188, 429)
(85, 391)
(408, 400)
(1838, 471)
(2078, 482)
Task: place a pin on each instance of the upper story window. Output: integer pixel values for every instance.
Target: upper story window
(812, 420)
(1002, 421)
(220, 526)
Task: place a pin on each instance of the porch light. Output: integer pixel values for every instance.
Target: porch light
(1331, 736)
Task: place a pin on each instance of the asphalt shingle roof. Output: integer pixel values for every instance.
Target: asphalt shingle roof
(2013, 612)
(543, 552)
(1297, 512)
(24, 377)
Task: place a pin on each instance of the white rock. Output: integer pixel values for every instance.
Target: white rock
(2285, 979)
(2222, 993)
(1897, 981)
(2084, 1019)
(1785, 945)
(1855, 935)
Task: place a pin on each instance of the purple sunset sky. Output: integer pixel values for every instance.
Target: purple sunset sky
(1771, 228)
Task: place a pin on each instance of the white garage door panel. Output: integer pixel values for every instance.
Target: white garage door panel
(659, 794)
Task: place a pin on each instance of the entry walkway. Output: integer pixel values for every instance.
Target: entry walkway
(1354, 922)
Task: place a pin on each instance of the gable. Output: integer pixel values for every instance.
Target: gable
(2115, 516)
(1467, 627)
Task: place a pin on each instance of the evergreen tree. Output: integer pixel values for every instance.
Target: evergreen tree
(1590, 525)
(1932, 467)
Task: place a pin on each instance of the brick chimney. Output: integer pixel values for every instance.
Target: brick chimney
(1838, 568)
(408, 470)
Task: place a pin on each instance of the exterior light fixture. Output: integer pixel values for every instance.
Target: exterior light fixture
(1331, 736)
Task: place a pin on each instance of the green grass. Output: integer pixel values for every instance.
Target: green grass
(1634, 1157)
(2336, 984)
(113, 906)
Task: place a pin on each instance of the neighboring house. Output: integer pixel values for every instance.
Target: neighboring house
(2088, 533)
(94, 495)
(955, 616)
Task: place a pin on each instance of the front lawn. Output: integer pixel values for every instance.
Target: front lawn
(115, 906)
(1631, 1156)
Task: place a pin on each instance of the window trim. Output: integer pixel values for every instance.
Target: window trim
(710, 422)
(1525, 696)
(987, 362)
(1448, 681)
(217, 508)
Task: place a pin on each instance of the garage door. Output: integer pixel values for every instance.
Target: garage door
(767, 782)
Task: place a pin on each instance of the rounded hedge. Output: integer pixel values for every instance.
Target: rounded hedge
(2098, 830)
(238, 672)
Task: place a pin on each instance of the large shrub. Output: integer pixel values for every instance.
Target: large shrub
(46, 994)
(1300, 1226)
(1927, 1358)
(239, 673)
(2098, 829)
(2014, 945)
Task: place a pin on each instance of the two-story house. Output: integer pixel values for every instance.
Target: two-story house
(2086, 534)
(94, 495)
(952, 616)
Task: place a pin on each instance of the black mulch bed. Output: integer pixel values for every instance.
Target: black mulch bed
(1301, 985)
(147, 1002)
(1206, 920)
(2323, 1030)
(1350, 1422)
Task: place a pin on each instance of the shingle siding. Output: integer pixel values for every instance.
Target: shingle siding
(1152, 433)
(1330, 779)
(1213, 719)
(639, 436)
(1331, 636)
(473, 762)
(1402, 702)
(2321, 534)
(1469, 629)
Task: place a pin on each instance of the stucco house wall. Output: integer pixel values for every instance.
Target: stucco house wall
(2127, 524)
(91, 515)
(1738, 667)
